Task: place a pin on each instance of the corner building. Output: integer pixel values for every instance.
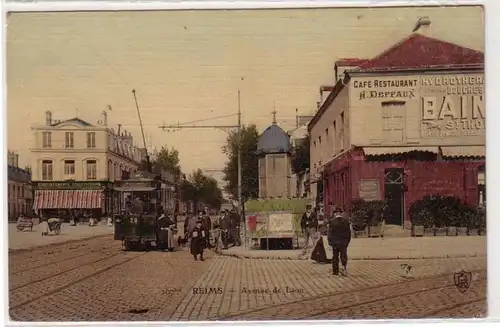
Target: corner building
(407, 123)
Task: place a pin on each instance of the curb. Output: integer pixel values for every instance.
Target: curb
(297, 258)
(35, 247)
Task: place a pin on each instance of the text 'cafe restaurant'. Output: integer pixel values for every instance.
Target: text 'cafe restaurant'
(407, 123)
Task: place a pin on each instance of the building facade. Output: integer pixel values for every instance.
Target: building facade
(20, 191)
(74, 164)
(407, 123)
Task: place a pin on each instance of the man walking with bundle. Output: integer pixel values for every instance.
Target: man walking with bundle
(339, 237)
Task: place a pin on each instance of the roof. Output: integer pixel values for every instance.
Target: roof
(74, 120)
(273, 140)
(420, 51)
(417, 51)
(17, 174)
(350, 62)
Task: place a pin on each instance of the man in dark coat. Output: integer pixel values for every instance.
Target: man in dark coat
(165, 235)
(225, 226)
(198, 237)
(206, 221)
(339, 237)
(309, 224)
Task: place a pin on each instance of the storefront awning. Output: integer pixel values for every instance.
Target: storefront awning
(463, 151)
(68, 199)
(378, 151)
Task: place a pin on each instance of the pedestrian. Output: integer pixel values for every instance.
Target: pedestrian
(191, 224)
(198, 237)
(309, 225)
(339, 237)
(165, 231)
(207, 226)
(225, 226)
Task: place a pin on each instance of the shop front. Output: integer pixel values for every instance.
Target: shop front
(402, 178)
(62, 199)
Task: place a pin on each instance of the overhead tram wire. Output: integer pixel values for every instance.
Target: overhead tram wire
(165, 127)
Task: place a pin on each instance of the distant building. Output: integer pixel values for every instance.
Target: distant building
(407, 123)
(274, 152)
(20, 192)
(74, 163)
(300, 181)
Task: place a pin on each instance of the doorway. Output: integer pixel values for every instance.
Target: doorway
(394, 195)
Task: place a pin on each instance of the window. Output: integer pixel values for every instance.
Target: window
(91, 170)
(69, 167)
(91, 140)
(47, 170)
(70, 140)
(47, 140)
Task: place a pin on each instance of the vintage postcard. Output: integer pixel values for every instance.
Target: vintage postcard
(273, 164)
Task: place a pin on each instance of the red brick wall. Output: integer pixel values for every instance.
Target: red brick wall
(457, 178)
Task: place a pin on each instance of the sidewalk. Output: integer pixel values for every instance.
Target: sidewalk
(30, 239)
(433, 247)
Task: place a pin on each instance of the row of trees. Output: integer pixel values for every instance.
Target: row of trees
(195, 187)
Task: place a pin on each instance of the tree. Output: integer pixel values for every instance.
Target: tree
(249, 163)
(300, 160)
(199, 187)
(166, 159)
(301, 156)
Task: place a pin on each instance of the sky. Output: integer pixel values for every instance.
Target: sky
(189, 65)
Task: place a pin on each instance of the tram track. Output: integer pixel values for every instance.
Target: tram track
(21, 297)
(100, 257)
(314, 307)
(49, 255)
(75, 256)
(387, 302)
(441, 312)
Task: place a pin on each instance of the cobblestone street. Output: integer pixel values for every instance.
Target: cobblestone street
(93, 280)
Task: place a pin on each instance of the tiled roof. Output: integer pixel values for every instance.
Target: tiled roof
(419, 51)
(350, 62)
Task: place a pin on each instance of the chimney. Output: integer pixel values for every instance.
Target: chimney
(104, 118)
(423, 26)
(48, 118)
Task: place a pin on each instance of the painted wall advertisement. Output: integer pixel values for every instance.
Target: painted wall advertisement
(452, 106)
(449, 105)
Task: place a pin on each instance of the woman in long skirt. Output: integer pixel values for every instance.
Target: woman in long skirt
(198, 239)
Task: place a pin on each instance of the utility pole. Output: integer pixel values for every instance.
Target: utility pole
(240, 202)
(227, 129)
(148, 161)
